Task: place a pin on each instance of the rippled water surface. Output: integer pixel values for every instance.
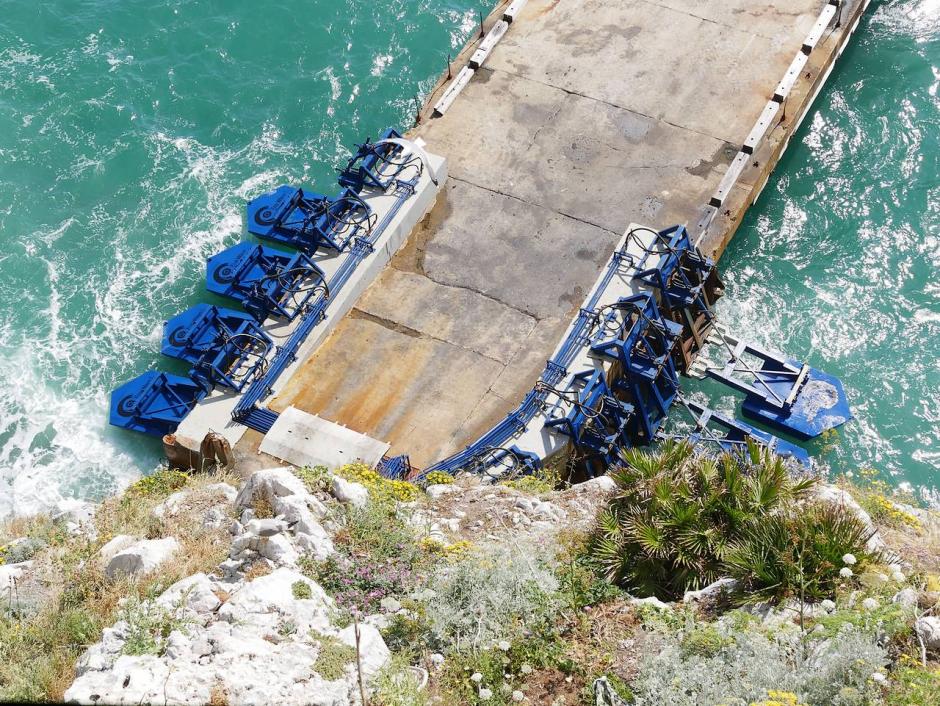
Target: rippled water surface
(130, 134)
(839, 261)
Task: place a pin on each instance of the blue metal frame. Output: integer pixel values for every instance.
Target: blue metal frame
(365, 168)
(634, 334)
(597, 423)
(307, 220)
(734, 434)
(267, 282)
(784, 393)
(226, 347)
(154, 403)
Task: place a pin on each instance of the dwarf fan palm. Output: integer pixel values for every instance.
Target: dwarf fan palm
(678, 512)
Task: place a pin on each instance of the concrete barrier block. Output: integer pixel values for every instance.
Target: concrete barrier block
(489, 42)
(453, 90)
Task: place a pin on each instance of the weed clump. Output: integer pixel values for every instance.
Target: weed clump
(333, 657)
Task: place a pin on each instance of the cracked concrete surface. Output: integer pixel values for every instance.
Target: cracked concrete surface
(588, 115)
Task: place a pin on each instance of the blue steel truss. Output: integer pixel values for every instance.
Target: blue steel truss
(379, 166)
(309, 221)
(267, 282)
(226, 347)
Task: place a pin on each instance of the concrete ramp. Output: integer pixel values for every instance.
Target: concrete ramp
(308, 440)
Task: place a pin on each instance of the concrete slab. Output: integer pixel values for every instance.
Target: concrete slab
(586, 116)
(523, 255)
(416, 305)
(403, 387)
(307, 440)
(662, 62)
(586, 159)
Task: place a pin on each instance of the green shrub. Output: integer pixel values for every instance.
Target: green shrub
(741, 668)
(677, 514)
(316, 478)
(478, 601)
(301, 590)
(333, 657)
(437, 478)
(798, 552)
(149, 626)
(395, 685)
(913, 684)
(161, 482)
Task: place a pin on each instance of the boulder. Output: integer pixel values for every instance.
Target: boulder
(906, 597)
(229, 492)
(349, 492)
(439, 490)
(115, 545)
(373, 652)
(836, 496)
(603, 484)
(172, 505)
(267, 527)
(928, 628)
(269, 599)
(651, 601)
(316, 542)
(141, 557)
(78, 516)
(273, 483)
(712, 591)
(194, 593)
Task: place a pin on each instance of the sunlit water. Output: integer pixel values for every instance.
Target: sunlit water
(132, 132)
(839, 261)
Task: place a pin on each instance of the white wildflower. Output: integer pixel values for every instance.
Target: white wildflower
(870, 603)
(476, 677)
(518, 696)
(503, 645)
(526, 669)
(845, 572)
(849, 560)
(898, 576)
(828, 605)
(879, 678)
(485, 694)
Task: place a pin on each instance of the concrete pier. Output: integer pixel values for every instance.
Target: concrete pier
(586, 116)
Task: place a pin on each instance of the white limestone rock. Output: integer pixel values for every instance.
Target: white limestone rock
(604, 484)
(712, 591)
(172, 505)
(906, 597)
(268, 599)
(141, 557)
(272, 483)
(228, 492)
(10, 575)
(836, 496)
(267, 527)
(316, 542)
(928, 628)
(349, 492)
(439, 490)
(115, 545)
(195, 594)
(373, 652)
(77, 515)
(650, 600)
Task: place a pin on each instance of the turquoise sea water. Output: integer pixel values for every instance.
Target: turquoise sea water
(132, 132)
(839, 261)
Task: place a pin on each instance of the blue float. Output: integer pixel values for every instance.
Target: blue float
(781, 392)
(154, 403)
(267, 282)
(226, 347)
(308, 221)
